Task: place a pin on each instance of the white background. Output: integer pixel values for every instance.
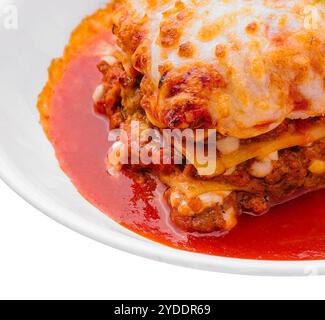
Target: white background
(40, 259)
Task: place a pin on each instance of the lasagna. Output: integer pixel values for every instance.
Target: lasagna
(251, 70)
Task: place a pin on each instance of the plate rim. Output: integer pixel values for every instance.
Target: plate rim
(149, 249)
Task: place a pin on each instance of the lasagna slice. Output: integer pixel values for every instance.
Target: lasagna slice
(252, 70)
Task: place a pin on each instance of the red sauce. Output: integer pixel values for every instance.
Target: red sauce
(294, 231)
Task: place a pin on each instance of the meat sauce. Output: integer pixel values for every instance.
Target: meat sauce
(293, 231)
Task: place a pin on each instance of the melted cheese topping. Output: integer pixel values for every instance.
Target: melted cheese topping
(240, 66)
(317, 167)
(261, 169)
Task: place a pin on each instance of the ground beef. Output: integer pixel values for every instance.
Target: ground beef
(290, 177)
(253, 203)
(206, 222)
(209, 220)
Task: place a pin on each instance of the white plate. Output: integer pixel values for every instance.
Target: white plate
(27, 161)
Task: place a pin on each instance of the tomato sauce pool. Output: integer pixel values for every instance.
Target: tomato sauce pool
(293, 231)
